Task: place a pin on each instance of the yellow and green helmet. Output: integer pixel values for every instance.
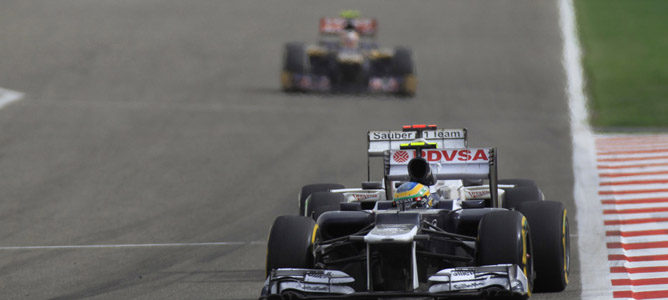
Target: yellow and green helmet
(412, 192)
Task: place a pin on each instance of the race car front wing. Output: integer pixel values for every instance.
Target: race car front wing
(462, 282)
(506, 276)
(307, 282)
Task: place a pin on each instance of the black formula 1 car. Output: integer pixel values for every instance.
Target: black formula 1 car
(347, 59)
(482, 238)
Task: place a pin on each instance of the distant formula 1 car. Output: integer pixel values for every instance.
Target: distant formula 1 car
(478, 237)
(347, 59)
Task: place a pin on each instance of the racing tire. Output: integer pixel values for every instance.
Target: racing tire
(525, 190)
(472, 182)
(518, 182)
(290, 243)
(550, 237)
(320, 202)
(307, 190)
(402, 67)
(295, 61)
(402, 62)
(504, 238)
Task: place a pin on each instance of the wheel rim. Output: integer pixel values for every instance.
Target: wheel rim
(527, 258)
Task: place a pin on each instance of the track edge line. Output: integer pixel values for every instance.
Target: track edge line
(594, 266)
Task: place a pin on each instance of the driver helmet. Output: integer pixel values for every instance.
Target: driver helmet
(412, 195)
(350, 39)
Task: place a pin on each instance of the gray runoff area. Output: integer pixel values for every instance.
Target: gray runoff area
(161, 121)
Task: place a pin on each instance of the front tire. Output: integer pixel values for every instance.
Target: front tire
(290, 243)
(550, 234)
(504, 238)
(295, 61)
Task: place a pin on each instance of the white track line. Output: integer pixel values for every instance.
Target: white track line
(634, 206)
(9, 96)
(594, 267)
(130, 245)
(637, 239)
(636, 276)
(659, 176)
(639, 264)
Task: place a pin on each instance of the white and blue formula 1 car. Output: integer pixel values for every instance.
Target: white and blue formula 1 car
(481, 238)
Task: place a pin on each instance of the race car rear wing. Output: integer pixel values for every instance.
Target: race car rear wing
(446, 151)
(336, 25)
(381, 141)
(444, 163)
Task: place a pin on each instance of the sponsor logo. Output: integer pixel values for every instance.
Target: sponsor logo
(315, 287)
(391, 135)
(477, 194)
(468, 285)
(400, 156)
(443, 134)
(363, 196)
(464, 274)
(455, 155)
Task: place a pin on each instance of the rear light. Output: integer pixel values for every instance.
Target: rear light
(418, 127)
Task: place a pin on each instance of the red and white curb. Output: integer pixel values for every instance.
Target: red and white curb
(633, 190)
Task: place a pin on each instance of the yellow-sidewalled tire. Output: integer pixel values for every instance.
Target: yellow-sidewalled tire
(549, 226)
(286, 80)
(504, 237)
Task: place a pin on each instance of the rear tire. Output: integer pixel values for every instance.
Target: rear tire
(504, 238)
(290, 243)
(518, 182)
(402, 67)
(295, 61)
(320, 202)
(402, 62)
(307, 190)
(525, 190)
(550, 234)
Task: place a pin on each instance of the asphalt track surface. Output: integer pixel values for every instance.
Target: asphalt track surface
(162, 122)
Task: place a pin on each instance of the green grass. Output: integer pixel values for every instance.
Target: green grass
(625, 49)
